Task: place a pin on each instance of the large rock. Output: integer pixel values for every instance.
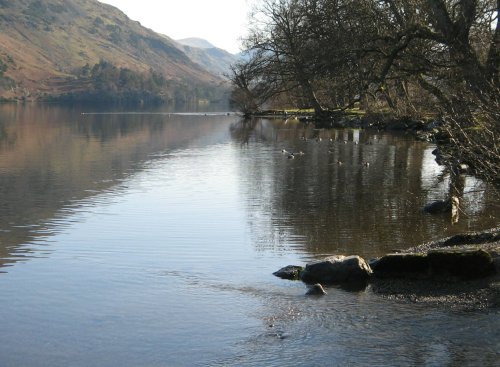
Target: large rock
(452, 262)
(401, 265)
(465, 264)
(337, 270)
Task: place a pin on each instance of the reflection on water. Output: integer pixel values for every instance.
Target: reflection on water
(150, 239)
(51, 159)
(350, 192)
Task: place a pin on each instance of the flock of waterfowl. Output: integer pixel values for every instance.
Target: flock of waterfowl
(292, 155)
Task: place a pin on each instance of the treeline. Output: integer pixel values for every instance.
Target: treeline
(108, 77)
(107, 83)
(409, 57)
(5, 81)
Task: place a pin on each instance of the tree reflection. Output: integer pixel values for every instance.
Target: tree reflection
(351, 192)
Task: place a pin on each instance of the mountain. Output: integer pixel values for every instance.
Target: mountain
(215, 60)
(195, 42)
(57, 47)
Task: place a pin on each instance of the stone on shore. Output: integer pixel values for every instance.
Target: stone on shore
(337, 270)
(456, 263)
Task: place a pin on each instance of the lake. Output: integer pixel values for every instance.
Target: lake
(149, 238)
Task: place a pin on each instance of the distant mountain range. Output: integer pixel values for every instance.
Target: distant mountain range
(51, 48)
(202, 52)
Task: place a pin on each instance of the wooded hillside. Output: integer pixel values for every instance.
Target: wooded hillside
(45, 45)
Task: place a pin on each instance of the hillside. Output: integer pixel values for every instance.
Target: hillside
(195, 42)
(217, 61)
(48, 47)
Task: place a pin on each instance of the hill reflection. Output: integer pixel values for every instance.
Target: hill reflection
(350, 192)
(53, 158)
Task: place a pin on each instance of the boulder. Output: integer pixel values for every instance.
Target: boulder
(458, 263)
(291, 272)
(465, 264)
(337, 270)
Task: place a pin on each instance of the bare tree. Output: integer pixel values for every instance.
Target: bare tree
(281, 36)
(328, 54)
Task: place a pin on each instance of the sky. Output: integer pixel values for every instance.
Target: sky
(220, 22)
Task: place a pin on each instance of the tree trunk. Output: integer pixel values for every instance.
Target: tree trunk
(310, 95)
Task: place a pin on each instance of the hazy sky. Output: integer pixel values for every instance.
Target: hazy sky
(221, 22)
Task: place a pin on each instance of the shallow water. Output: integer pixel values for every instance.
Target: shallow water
(149, 239)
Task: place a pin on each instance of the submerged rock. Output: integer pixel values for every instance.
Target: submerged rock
(316, 290)
(337, 269)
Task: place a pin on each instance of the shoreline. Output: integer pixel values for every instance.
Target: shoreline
(424, 129)
(456, 281)
(450, 292)
(450, 152)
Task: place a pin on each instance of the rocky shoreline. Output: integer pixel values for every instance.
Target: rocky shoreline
(462, 271)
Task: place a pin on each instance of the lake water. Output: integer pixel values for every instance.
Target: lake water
(150, 239)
